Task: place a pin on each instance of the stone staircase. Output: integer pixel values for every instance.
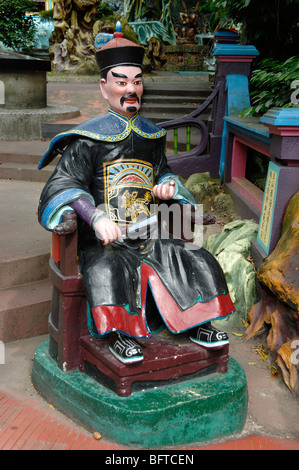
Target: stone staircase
(25, 307)
(19, 161)
(25, 289)
(167, 101)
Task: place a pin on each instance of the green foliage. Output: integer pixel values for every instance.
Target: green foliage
(224, 14)
(104, 11)
(270, 25)
(17, 29)
(271, 85)
(257, 168)
(46, 15)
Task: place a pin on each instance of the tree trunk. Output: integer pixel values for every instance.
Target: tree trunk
(288, 361)
(283, 322)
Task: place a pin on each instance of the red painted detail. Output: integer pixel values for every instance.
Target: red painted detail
(285, 131)
(56, 248)
(176, 319)
(109, 318)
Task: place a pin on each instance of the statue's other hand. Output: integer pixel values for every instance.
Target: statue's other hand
(107, 231)
(164, 191)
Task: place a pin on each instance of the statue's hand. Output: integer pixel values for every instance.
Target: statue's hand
(107, 231)
(164, 191)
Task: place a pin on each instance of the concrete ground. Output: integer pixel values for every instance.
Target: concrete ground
(272, 420)
(28, 422)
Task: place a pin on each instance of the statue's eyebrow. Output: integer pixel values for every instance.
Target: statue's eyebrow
(119, 75)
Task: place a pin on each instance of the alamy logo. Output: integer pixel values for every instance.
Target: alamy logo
(143, 220)
(2, 92)
(295, 94)
(2, 353)
(295, 354)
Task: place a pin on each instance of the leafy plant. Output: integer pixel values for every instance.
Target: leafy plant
(103, 11)
(271, 85)
(17, 29)
(46, 15)
(270, 25)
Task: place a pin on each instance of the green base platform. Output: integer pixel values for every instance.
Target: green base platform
(193, 411)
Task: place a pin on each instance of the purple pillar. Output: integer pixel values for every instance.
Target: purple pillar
(282, 179)
(233, 68)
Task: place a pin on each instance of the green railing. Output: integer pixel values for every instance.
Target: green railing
(176, 141)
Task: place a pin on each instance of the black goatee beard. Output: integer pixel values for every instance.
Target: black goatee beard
(130, 109)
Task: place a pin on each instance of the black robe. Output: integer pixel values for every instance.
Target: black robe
(133, 284)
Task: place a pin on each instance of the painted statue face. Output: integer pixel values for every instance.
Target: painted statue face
(123, 89)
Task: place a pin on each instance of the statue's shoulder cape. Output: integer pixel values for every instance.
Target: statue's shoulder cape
(110, 127)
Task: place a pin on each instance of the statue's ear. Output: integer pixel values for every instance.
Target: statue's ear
(103, 84)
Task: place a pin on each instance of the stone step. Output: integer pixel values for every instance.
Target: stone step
(24, 245)
(177, 89)
(179, 109)
(24, 172)
(24, 310)
(24, 158)
(164, 99)
(173, 99)
(32, 148)
(19, 158)
(20, 124)
(160, 117)
(24, 269)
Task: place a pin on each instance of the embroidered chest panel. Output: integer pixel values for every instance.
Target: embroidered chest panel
(128, 190)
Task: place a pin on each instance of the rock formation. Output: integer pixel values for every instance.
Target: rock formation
(72, 42)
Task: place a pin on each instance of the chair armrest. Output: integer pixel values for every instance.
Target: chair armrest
(65, 244)
(68, 224)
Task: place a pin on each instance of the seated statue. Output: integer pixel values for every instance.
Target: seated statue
(112, 170)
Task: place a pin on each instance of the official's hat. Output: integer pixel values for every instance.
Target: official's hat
(119, 51)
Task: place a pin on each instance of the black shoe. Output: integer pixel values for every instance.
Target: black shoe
(208, 336)
(125, 349)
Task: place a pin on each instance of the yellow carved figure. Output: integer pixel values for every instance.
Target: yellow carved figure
(136, 206)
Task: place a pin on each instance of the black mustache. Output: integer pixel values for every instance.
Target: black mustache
(127, 96)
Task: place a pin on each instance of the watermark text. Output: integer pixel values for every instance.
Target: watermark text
(164, 221)
(295, 94)
(295, 353)
(2, 353)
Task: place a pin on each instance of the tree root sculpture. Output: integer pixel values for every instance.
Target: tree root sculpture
(283, 337)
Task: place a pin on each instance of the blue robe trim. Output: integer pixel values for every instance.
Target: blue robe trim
(59, 204)
(111, 127)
